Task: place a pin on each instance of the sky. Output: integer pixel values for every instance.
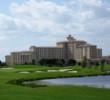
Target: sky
(25, 23)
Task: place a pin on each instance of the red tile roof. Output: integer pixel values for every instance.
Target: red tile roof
(47, 47)
(86, 45)
(20, 51)
(71, 41)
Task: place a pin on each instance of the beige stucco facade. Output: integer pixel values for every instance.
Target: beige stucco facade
(99, 53)
(47, 52)
(21, 57)
(8, 60)
(87, 50)
(70, 49)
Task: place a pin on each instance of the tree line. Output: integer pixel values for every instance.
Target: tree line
(88, 64)
(71, 62)
(3, 63)
(53, 62)
(57, 62)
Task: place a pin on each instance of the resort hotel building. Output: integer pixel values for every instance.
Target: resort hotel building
(70, 49)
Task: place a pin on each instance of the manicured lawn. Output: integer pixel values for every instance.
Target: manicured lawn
(15, 92)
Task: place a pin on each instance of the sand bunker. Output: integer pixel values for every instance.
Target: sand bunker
(39, 71)
(24, 72)
(63, 70)
(72, 71)
(60, 70)
(6, 68)
(52, 70)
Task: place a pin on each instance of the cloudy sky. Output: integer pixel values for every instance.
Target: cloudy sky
(24, 23)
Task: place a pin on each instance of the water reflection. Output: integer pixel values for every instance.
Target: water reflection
(108, 71)
(93, 81)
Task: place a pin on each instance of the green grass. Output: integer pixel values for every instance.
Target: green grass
(15, 92)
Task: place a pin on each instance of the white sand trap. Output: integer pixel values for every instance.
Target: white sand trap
(6, 68)
(72, 71)
(52, 70)
(63, 70)
(24, 72)
(39, 71)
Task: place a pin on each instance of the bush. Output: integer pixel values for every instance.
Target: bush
(16, 81)
(71, 62)
(102, 65)
(84, 62)
(89, 64)
(79, 63)
(96, 64)
(52, 62)
(60, 63)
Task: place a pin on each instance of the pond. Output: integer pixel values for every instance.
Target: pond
(91, 81)
(108, 71)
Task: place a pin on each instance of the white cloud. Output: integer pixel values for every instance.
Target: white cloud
(90, 3)
(73, 2)
(84, 19)
(2, 38)
(39, 16)
(4, 20)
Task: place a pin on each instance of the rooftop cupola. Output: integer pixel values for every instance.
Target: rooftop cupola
(69, 38)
